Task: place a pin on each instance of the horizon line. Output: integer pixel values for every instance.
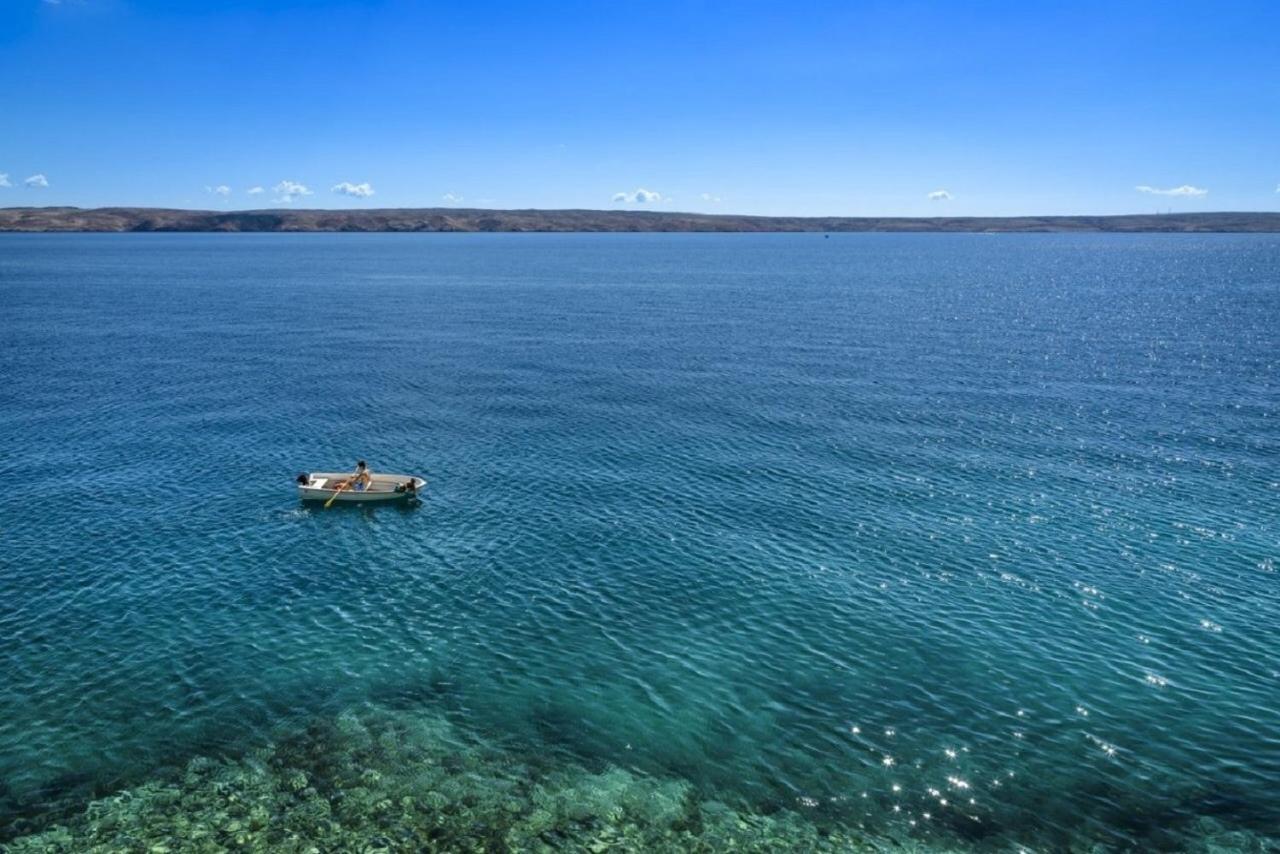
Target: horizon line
(632, 212)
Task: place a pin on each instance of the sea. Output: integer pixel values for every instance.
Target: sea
(962, 542)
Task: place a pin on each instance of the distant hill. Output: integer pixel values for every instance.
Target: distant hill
(471, 219)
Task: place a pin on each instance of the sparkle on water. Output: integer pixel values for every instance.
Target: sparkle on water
(964, 541)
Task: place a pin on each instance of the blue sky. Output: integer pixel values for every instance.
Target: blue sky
(770, 108)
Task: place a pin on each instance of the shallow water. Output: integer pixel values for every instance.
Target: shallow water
(965, 540)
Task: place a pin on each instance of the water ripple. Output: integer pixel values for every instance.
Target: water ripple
(955, 542)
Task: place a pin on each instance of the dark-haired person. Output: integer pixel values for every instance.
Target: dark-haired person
(360, 480)
(363, 478)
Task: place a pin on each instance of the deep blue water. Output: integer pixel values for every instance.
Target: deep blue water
(848, 526)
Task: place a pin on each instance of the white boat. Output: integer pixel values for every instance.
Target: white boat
(323, 485)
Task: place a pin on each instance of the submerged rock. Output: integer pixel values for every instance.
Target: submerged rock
(395, 781)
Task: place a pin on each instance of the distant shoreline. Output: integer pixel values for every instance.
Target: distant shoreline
(68, 219)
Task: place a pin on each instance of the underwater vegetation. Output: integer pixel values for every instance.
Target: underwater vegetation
(379, 780)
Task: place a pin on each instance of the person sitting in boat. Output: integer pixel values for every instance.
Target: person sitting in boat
(360, 480)
(363, 478)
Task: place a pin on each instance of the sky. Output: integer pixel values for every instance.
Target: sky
(785, 108)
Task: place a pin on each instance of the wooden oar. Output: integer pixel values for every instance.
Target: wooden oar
(334, 497)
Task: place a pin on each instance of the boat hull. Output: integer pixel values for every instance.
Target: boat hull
(321, 486)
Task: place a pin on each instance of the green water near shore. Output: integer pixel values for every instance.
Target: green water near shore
(378, 779)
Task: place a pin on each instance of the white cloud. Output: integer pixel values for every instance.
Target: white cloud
(640, 197)
(939, 196)
(707, 197)
(1184, 190)
(37, 181)
(220, 190)
(255, 191)
(4, 181)
(360, 191)
(451, 198)
(287, 191)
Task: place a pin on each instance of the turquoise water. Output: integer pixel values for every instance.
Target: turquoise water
(963, 541)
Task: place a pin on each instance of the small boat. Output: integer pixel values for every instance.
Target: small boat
(323, 485)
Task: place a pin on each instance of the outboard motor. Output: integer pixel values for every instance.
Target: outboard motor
(304, 479)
